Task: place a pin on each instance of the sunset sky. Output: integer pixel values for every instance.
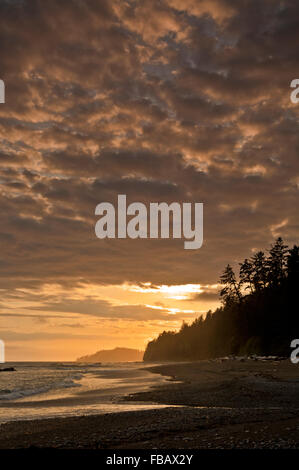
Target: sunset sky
(170, 100)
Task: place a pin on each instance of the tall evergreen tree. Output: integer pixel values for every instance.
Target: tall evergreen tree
(277, 263)
(259, 270)
(231, 291)
(246, 274)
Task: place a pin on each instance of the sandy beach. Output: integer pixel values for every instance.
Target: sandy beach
(219, 404)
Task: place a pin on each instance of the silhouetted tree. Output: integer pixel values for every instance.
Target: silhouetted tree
(231, 290)
(246, 274)
(277, 263)
(262, 322)
(259, 270)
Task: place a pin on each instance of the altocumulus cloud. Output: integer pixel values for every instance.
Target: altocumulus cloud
(162, 101)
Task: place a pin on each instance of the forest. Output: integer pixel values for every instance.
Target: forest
(258, 314)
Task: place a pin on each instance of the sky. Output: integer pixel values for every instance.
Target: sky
(159, 100)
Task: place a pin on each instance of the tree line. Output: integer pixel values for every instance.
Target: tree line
(258, 313)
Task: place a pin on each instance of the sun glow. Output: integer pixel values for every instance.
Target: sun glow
(177, 292)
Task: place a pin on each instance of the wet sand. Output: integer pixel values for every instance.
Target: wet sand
(223, 404)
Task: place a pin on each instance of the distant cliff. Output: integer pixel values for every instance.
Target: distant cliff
(114, 355)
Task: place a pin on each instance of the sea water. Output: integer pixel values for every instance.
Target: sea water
(55, 389)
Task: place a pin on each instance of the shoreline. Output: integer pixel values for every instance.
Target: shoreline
(222, 404)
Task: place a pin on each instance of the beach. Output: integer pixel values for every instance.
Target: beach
(221, 404)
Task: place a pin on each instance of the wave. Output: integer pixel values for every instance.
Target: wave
(14, 394)
(81, 367)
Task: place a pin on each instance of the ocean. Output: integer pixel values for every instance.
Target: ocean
(59, 389)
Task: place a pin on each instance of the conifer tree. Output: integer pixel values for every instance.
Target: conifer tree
(246, 274)
(231, 292)
(277, 263)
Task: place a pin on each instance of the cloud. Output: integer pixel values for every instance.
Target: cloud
(102, 309)
(37, 317)
(11, 336)
(162, 101)
(205, 296)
